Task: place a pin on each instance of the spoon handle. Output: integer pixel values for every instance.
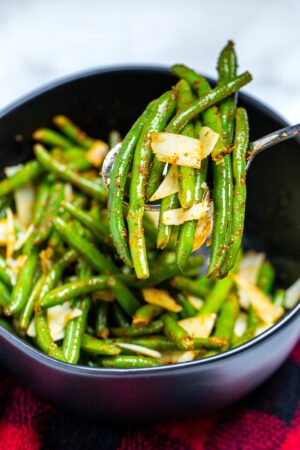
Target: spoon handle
(271, 139)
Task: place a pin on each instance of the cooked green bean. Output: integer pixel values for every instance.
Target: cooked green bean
(188, 229)
(187, 309)
(216, 296)
(164, 231)
(154, 327)
(56, 195)
(239, 196)
(156, 121)
(124, 296)
(192, 287)
(227, 68)
(128, 361)
(62, 171)
(226, 319)
(279, 298)
(72, 290)
(5, 273)
(96, 346)
(88, 251)
(25, 316)
(175, 333)
(72, 131)
(266, 277)
(29, 171)
(118, 179)
(180, 120)
(101, 327)
(51, 137)
(160, 273)
(4, 295)
(44, 339)
(23, 287)
(145, 314)
(120, 318)
(99, 230)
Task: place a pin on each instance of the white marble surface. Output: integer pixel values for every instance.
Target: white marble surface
(42, 40)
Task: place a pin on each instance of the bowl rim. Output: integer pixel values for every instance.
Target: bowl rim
(102, 372)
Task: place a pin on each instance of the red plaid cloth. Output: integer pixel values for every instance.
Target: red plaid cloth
(269, 418)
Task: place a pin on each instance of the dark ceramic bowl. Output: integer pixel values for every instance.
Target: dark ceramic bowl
(113, 98)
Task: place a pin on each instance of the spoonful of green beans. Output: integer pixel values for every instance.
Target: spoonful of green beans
(255, 148)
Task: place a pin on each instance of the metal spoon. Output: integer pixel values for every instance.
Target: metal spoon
(255, 148)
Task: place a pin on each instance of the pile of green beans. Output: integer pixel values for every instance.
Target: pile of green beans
(80, 257)
(190, 105)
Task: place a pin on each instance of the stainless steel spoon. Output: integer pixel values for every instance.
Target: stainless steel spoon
(255, 147)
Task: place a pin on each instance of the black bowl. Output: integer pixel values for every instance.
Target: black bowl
(113, 98)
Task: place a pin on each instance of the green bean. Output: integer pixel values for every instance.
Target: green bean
(50, 137)
(222, 191)
(180, 120)
(120, 318)
(62, 171)
(28, 172)
(45, 226)
(279, 298)
(239, 197)
(99, 230)
(210, 342)
(187, 309)
(90, 253)
(226, 319)
(4, 295)
(114, 138)
(206, 282)
(55, 241)
(216, 296)
(160, 273)
(164, 231)
(96, 346)
(44, 339)
(145, 314)
(227, 68)
(101, 327)
(154, 327)
(175, 333)
(128, 361)
(220, 222)
(41, 200)
(72, 131)
(160, 343)
(124, 296)
(140, 171)
(266, 277)
(188, 229)
(72, 290)
(76, 327)
(74, 157)
(27, 312)
(186, 175)
(23, 286)
(192, 287)
(55, 273)
(118, 179)
(5, 273)
(74, 331)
